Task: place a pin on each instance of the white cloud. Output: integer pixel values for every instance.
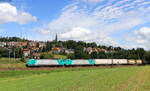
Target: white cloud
(102, 21)
(44, 31)
(143, 33)
(140, 38)
(77, 33)
(9, 13)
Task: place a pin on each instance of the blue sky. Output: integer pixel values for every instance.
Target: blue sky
(44, 12)
(122, 23)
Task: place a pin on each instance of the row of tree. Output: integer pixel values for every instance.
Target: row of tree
(14, 39)
(13, 52)
(112, 52)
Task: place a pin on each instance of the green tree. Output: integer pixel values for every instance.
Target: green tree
(46, 56)
(4, 52)
(94, 55)
(49, 46)
(147, 57)
(140, 53)
(80, 54)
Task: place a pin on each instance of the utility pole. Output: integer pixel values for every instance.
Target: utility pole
(9, 53)
(14, 53)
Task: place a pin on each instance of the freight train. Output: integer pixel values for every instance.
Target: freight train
(80, 62)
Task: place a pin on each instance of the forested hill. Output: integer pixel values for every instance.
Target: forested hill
(14, 39)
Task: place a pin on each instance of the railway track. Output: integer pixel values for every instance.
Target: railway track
(69, 67)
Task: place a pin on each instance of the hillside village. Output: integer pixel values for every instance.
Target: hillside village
(15, 47)
(34, 48)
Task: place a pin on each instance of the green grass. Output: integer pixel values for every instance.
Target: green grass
(50, 55)
(75, 79)
(11, 63)
(56, 56)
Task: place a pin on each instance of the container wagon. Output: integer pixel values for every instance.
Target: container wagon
(120, 61)
(138, 62)
(103, 61)
(131, 62)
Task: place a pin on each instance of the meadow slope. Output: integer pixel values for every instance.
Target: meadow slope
(75, 79)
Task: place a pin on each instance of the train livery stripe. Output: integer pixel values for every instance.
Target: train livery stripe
(91, 61)
(68, 61)
(60, 61)
(32, 62)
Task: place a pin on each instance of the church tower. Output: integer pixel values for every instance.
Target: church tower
(56, 38)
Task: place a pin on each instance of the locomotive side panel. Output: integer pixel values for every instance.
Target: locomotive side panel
(80, 62)
(45, 62)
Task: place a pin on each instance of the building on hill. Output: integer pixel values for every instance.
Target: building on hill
(32, 44)
(89, 50)
(11, 44)
(56, 50)
(35, 49)
(69, 51)
(16, 44)
(42, 44)
(26, 52)
(102, 50)
(21, 44)
(3, 44)
(36, 55)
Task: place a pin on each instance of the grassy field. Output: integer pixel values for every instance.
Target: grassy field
(75, 79)
(11, 63)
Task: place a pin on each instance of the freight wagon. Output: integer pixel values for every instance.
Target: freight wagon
(81, 62)
(138, 62)
(103, 61)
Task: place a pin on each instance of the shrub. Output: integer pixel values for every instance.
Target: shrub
(46, 56)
